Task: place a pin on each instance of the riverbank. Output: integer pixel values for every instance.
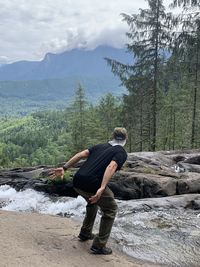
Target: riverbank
(35, 240)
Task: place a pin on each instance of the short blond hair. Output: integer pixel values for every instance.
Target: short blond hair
(120, 134)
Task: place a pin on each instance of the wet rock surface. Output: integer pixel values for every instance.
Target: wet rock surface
(145, 175)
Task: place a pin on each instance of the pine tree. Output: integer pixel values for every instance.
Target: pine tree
(78, 120)
(108, 110)
(149, 38)
(188, 42)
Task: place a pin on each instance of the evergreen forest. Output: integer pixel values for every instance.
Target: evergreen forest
(160, 109)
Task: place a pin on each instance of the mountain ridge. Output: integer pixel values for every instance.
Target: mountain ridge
(28, 86)
(73, 62)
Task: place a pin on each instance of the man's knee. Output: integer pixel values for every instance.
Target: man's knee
(114, 208)
(111, 211)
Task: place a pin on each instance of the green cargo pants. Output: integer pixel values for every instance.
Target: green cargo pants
(108, 207)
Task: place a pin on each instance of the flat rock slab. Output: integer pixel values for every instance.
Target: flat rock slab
(35, 240)
(145, 174)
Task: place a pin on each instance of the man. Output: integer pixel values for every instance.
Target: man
(91, 181)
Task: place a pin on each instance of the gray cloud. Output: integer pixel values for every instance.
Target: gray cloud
(30, 29)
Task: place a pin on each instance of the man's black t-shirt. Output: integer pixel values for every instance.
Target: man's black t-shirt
(90, 175)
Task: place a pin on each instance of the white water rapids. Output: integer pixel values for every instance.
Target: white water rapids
(160, 235)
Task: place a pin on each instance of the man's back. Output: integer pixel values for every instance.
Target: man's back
(90, 174)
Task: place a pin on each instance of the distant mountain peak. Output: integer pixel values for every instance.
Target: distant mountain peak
(75, 62)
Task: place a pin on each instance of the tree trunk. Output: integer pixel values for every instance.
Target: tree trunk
(194, 104)
(154, 107)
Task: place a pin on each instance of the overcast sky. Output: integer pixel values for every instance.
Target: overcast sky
(31, 28)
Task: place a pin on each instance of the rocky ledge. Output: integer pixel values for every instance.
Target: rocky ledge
(145, 175)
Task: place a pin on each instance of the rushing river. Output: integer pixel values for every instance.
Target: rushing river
(162, 234)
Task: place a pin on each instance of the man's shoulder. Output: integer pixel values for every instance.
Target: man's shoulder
(121, 152)
(98, 147)
(120, 149)
(102, 145)
(109, 148)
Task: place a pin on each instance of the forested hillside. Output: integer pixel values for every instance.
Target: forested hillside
(161, 109)
(52, 137)
(21, 98)
(26, 86)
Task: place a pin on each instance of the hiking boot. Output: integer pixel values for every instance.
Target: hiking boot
(83, 237)
(103, 250)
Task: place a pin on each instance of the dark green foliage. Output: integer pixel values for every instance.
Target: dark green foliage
(187, 48)
(161, 109)
(20, 98)
(149, 37)
(33, 140)
(68, 176)
(78, 120)
(185, 3)
(50, 138)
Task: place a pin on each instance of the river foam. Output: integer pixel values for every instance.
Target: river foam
(32, 201)
(153, 230)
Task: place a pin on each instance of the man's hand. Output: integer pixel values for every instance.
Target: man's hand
(96, 197)
(54, 173)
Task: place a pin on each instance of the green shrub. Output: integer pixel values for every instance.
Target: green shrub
(67, 178)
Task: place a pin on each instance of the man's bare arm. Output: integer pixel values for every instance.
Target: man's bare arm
(110, 170)
(76, 158)
(59, 172)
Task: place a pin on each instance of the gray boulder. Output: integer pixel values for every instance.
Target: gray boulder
(145, 175)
